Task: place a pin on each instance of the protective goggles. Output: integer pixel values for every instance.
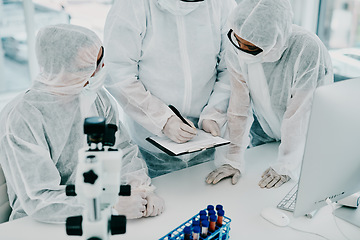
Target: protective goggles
(192, 0)
(253, 50)
(100, 61)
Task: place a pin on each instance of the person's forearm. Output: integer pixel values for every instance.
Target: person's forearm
(217, 106)
(239, 116)
(293, 134)
(52, 207)
(239, 122)
(141, 105)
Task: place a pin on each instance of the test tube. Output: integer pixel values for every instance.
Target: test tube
(196, 233)
(195, 223)
(212, 223)
(187, 233)
(202, 212)
(202, 219)
(210, 207)
(210, 212)
(219, 207)
(204, 229)
(221, 214)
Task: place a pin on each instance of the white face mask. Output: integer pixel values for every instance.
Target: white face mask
(247, 57)
(178, 7)
(272, 56)
(96, 82)
(88, 93)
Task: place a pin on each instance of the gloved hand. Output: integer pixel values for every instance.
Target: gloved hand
(270, 179)
(211, 126)
(155, 205)
(223, 172)
(178, 131)
(132, 206)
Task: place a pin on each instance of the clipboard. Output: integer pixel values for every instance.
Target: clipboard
(200, 142)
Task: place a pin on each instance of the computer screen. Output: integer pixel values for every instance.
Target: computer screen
(331, 161)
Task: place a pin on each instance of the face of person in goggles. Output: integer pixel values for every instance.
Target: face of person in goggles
(242, 44)
(99, 63)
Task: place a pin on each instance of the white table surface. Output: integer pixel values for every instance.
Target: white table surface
(185, 193)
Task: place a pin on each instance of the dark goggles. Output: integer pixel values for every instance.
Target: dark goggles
(253, 49)
(101, 57)
(99, 62)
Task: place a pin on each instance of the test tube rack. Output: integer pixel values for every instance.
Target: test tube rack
(221, 233)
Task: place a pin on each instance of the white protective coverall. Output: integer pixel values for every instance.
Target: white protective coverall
(41, 130)
(275, 85)
(163, 52)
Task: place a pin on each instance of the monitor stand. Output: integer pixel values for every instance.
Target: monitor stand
(349, 214)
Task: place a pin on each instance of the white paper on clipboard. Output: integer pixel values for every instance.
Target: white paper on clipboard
(201, 141)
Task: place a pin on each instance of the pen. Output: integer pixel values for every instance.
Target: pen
(177, 113)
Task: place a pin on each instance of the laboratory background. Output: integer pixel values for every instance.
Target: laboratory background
(336, 22)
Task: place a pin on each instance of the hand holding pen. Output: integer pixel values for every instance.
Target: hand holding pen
(178, 129)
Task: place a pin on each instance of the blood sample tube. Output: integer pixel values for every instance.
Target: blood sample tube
(219, 207)
(195, 223)
(221, 214)
(210, 212)
(187, 233)
(202, 219)
(204, 228)
(202, 212)
(212, 225)
(196, 233)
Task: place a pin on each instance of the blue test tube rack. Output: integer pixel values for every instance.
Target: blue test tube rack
(221, 233)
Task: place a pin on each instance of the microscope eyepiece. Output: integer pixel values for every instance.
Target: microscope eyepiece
(98, 131)
(94, 128)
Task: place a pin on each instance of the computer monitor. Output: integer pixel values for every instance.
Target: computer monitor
(331, 161)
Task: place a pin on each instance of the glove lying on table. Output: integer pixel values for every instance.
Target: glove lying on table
(222, 172)
(271, 179)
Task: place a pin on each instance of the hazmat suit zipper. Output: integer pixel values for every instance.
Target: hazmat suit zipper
(185, 64)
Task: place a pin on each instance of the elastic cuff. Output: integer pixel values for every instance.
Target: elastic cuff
(282, 170)
(239, 163)
(147, 189)
(167, 116)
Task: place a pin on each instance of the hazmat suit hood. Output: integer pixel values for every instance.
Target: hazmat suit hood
(178, 7)
(67, 56)
(266, 24)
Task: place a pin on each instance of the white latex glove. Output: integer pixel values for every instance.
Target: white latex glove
(178, 131)
(222, 172)
(211, 126)
(155, 205)
(132, 206)
(270, 179)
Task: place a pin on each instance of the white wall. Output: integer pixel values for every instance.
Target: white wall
(1, 49)
(306, 13)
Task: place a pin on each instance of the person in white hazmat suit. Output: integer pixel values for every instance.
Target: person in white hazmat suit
(41, 131)
(275, 67)
(169, 52)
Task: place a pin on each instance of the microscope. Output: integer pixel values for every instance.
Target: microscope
(97, 184)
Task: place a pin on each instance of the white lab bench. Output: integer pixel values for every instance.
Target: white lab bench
(185, 193)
